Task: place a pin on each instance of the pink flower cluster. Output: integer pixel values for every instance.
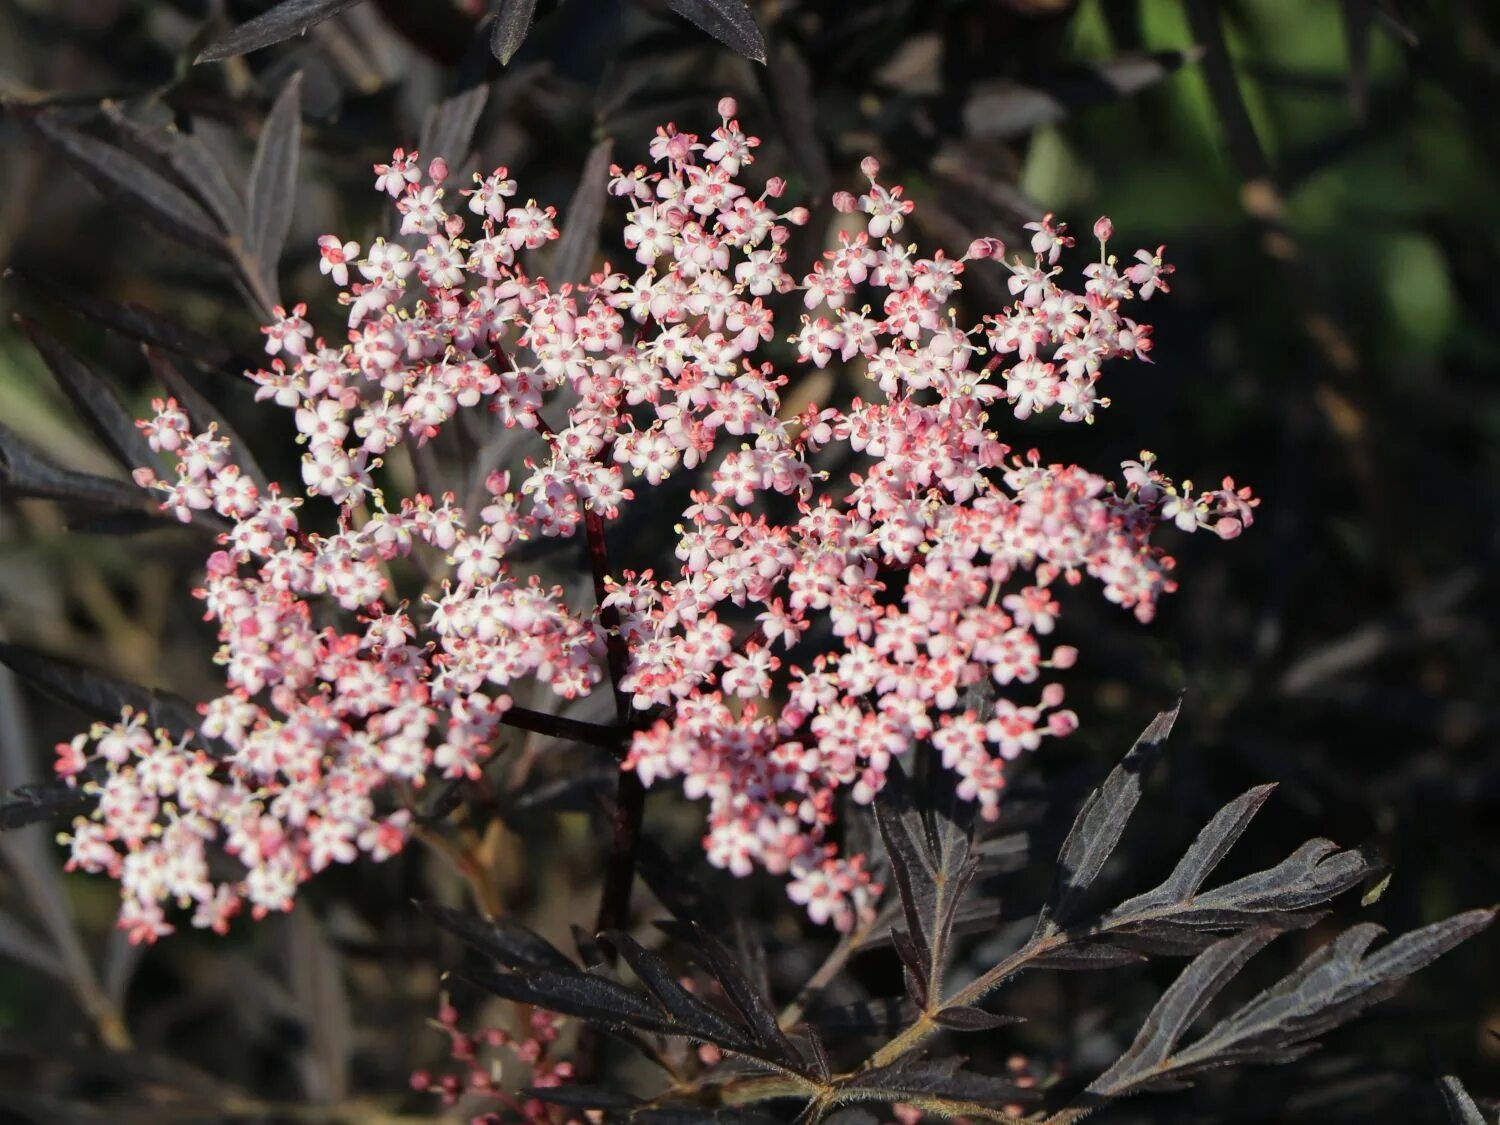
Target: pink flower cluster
(848, 575)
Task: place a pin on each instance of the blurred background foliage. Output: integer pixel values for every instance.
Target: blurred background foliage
(1324, 175)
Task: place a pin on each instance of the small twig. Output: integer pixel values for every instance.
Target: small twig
(611, 738)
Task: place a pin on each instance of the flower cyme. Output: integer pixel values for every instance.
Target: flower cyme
(842, 581)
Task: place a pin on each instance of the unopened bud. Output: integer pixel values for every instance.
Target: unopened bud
(437, 171)
(728, 107)
(870, 167)
(986, 248)
(844, 202)
(797, 216)
(1103, 228)
(1064, 656)
(775, 187)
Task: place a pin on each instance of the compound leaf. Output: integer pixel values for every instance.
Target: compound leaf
(1329, 988)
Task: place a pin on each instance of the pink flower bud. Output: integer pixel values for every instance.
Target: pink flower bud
(438, 170)
(798, 216)
(1064, 656)
(1103, 228)
(986, 248)
(844, 202)
(1060, 724)
(870, 167)
(728, 107)
(1052, 695)
(775, 187)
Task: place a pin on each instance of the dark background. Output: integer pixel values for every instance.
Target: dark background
(1323, 175)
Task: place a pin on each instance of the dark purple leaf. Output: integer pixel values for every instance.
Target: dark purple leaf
(508, 31)
(85, 519)
(694, 1016)
(678, 887)
(509, 943)
(973, 1019)
(1173, 937)
(729, 21)
(49, 801)
(193, 163)
(914, 968)
(95, 693)
(289, 18)
(201, 171)
(1089, 955)
(93, 399)
(1213, 843)
(933, 1078)
(1330, 987)
(588, 996)
(121, 175)
(1184, 1001)
(1311, 875)
(821, 1067)
(139, 323)
(580, 228)
(1100, 824)
(26, 472)
(747, 999)
(315, 975)
(790, 84)
(272, 193)
(448, 128)
(1461, 1108)
(902, 833)
(576, 1096)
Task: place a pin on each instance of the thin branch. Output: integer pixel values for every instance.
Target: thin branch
(607, 737)
(630, 799)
